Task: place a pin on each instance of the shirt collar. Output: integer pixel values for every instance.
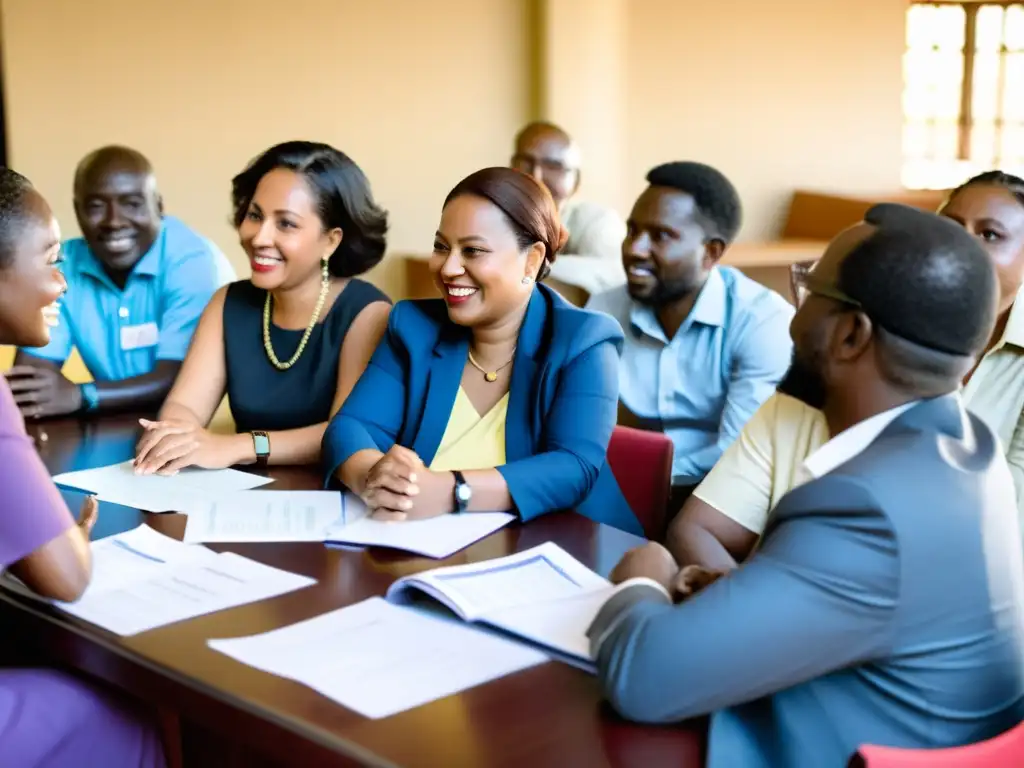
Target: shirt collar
(148, 265)
(1014, 331)
(709, 309)
(850, 442)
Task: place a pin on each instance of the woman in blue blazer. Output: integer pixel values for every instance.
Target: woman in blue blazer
(501, 395)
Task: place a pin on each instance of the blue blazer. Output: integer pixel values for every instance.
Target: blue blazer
(562, 407)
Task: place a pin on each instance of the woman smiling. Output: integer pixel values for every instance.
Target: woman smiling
(501, 395)
(288, 345)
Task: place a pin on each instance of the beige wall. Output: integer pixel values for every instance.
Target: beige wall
(795, 93)
(778, 95)
(418, 93)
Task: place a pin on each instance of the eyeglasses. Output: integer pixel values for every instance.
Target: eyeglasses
(527, 164)
(803, 282)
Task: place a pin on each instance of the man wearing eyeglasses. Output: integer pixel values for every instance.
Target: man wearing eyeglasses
(590, 258)
(885, 603)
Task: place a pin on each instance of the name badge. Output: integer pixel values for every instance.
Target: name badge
(139, 336)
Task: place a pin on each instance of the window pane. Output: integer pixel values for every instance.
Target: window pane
(1015, 27)
(1013, 90)
(944, 140)
(931, 26)
(916, 141)
(932, 81)
(983, 140)
(988, 34)
(1012, 145)
(985, 90)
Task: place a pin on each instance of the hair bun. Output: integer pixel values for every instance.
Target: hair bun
(563, 238)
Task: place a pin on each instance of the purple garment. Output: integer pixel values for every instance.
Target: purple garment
(49, 719)
(32, 511)
(52, 720)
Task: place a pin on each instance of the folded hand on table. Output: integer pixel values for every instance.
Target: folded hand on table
(400, 487)
(41, 392)
(654, 562)
(168, 446)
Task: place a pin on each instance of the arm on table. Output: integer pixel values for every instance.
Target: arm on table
(762, 357)
(38, 536)
(203, 381)
(832, 572)
(578, 429)
(369, 420)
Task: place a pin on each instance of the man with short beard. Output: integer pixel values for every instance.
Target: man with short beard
(885, 603)
(705, 345)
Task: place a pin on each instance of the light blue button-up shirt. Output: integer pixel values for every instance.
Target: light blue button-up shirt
(168, 288)
(702, 385)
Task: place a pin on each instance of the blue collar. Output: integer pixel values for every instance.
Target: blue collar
(709, 309)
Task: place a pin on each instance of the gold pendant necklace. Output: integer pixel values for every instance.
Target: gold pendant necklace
(491, 376)
(269, 347)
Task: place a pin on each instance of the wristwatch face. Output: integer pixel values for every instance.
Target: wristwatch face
(262, 444)
(463, 493)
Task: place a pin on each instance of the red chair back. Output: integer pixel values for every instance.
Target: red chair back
(642, 464)
(1001, 752)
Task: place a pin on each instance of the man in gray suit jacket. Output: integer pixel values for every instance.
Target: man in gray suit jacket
(885, 604)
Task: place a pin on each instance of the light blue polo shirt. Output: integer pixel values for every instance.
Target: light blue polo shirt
(121, 334)
(701, 386)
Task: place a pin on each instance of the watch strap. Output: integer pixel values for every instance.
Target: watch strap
(90, 397)
(461, 493)
(261, 444)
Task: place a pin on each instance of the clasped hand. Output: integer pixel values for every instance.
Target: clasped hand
(41, 392)
(169, 446)
(655, 562)
(400, 487)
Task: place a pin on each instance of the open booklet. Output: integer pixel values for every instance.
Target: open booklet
(542, 595)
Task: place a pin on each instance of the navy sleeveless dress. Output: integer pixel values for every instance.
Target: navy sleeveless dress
(261, 396)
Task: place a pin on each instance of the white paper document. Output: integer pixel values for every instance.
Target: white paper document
(266, 516)
(189, 489)
(379, 659)
(435, 537)
(143, 579)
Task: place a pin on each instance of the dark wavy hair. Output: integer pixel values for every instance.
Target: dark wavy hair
(343, 199)
(14, 195)
(527, 205)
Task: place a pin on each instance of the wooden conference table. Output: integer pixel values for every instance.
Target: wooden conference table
(551, 715)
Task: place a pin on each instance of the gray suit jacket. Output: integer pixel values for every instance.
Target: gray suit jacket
(885, 605)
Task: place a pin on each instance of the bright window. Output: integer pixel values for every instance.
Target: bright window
(963, 92)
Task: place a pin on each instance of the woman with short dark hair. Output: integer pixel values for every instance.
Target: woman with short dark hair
(287, 345)
(501, 395)
(47, 718)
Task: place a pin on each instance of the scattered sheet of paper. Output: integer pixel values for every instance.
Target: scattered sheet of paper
(143, 579)
(379, 659)
(189, 489)
(266, 516)
(435, 537)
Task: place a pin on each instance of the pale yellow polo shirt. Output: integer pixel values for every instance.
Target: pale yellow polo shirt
(765, 462)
